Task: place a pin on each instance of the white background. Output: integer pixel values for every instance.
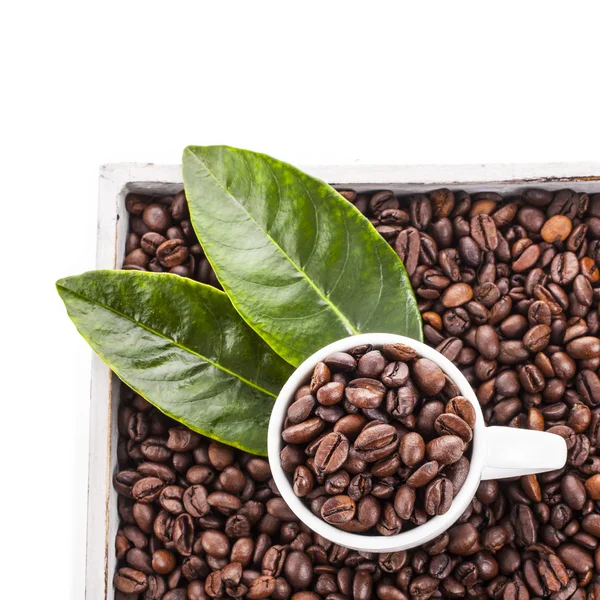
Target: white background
(91, 82)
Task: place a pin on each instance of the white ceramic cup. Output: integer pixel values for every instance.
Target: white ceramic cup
(497, 452)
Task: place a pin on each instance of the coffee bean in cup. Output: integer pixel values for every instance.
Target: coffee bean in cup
(380, 431)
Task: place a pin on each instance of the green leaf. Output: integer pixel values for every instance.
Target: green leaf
(183, 347)
(301, 264)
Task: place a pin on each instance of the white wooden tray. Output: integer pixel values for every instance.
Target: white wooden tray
(117, 180)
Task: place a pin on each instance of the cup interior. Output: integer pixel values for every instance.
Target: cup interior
(366, 542)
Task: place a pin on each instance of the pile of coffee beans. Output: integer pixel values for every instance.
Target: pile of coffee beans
(509, 291)
(377, 441)
(161, 238)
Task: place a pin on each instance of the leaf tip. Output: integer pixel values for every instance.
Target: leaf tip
(62, 284)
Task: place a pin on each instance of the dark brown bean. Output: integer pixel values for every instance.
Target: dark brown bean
(331, 453)
(445, 450)
(438, 496)
(428, 376)
(424, 474)
(461, 407)
(365, 392)
(449, 424)
(303, 432)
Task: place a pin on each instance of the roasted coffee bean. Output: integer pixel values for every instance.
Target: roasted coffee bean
(532, 219)
(395, 374)
(592, 486)
(457, 473)
(150, 242)
(438, 496)
(337, 483)
(469, 251)
(183, 534)
(124, 482)
(579, 417)
(588, 386)
(303, 432)
(156, 217)
(537, 338)
(375, 436)
(139, 560)
(589, 269)
(338, 509)
(584, 348)
(341, 361)
(400, 402)
(136, 260)
(573, 491)
(484, 232)
(449, 424)
(224, 502)
(195, 501)
(365, 392)
(171, 499)
(531, 378)
(262, 587)
(298, 570)
(408, 247)
(424, 474)
(512, 352)
(130, 581)
(456, 321)
(428, 376)
(155, 449)
(456, 295)
(383, 200)
(564, 268)
(371, 364)
(291, 456)
(321, 375)
(163, 562)
(215, 543)
(331, 453)
(360, 486)
(487, 342)
(350, 425)
(462, 408)
(330, 414)
(412, 449)
(232, 480)
(445, 450)
(136, 204)
(172, 253)
(450, 348)
(390, 523)
(563, 365)
(398, 351)
(303, 481)
(330, 393)
(159, 470)
(420, 211)
(427, 416)
(148, 489)
(507, 384)
(182, 439)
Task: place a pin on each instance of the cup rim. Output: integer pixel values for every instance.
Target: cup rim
(375, 543)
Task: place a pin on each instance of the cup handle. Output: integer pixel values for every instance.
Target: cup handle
(512, 452)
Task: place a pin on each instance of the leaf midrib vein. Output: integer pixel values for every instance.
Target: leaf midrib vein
(164, 337)
(323, 297)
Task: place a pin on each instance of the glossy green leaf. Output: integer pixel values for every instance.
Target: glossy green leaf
(183, 347)
(301, 264)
